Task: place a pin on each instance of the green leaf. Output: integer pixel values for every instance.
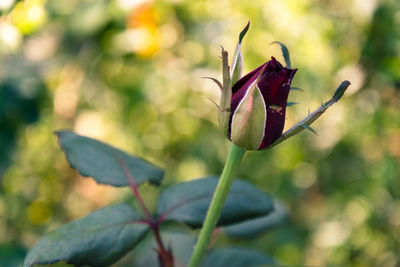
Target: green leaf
(181, 243)
(188, 202)
(285, 53)
(99, 239)
(237, 59)
(255, 227)
(249, 119)
(237, 257)
(102, 162)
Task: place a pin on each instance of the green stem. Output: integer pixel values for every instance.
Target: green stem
(214, 211)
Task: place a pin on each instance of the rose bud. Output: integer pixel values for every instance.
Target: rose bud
(258, 106)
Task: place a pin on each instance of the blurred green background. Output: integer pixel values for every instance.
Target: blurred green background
(128, 72)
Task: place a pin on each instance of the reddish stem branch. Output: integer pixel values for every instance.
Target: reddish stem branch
(135, 190)
(166, 258)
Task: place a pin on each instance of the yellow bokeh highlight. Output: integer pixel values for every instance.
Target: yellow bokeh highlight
(29, 16)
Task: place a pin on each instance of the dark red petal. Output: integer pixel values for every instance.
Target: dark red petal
(273, 65)
(273, 81)
(275, 87)
(249, 78)
(275, 119)
(273, 127)
(239, 89)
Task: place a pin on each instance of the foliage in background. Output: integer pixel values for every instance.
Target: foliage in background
(130, 74)
(104, 236)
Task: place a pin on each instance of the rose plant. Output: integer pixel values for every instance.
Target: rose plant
(252, 115)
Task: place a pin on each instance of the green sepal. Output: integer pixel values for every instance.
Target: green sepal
(313, 116)
(339, 92)
(228, 79)
(294, 88)
(216, 82)
(226, 95)
(289, 104)
(237, 59)
(285, 53)
(248, 121)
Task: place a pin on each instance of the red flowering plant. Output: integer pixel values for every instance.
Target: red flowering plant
(252, 115)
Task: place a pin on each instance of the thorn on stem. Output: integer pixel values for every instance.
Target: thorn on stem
(213, 102)
(216, 81)
(307, 127)
(294, 88)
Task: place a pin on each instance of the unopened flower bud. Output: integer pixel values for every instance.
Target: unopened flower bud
(258, 105)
